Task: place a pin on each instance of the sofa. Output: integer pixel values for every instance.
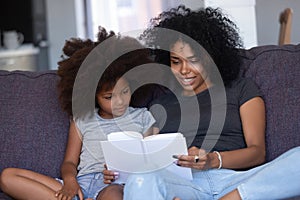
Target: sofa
(34, 128)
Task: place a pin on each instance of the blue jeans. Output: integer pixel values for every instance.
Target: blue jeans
(277, 179)
(90, 184)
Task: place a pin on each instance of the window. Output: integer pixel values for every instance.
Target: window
(120, 16)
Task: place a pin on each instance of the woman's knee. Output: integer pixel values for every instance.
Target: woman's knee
(111, 192)
(139, 180)
(293, 153)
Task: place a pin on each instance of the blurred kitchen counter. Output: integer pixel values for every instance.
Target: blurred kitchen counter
(23, 58)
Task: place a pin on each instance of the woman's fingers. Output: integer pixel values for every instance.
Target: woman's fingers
(196, 161)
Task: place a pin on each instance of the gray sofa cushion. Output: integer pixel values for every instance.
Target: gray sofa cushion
(277, 72)
(33, 126)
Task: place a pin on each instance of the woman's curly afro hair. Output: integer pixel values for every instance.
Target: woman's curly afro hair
(209, 27)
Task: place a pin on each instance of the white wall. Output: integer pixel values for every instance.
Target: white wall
(244, 16)
(265, 29)
(188, 3)
(62, 24)
(242, 12)
(267, 16)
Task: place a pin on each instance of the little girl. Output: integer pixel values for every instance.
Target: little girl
(81, 170)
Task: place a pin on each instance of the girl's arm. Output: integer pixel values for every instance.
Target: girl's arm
(151, 131)
(70, 162)
(71, 159)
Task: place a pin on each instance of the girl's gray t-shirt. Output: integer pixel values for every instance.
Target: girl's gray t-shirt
(93, 129)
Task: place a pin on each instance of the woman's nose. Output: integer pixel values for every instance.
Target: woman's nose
(185, 68)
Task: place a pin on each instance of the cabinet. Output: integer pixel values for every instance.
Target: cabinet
(23, 58)
(29, 18)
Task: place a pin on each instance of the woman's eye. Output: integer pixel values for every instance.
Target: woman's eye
(194, 61)
(174, 62)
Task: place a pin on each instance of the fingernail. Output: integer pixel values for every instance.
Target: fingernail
(116, 173)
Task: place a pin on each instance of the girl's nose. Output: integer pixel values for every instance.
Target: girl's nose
(119, 100)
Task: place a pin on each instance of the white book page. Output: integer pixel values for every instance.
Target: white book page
(133, 154)
(126, 135)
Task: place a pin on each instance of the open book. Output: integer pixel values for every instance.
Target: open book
(128, 152)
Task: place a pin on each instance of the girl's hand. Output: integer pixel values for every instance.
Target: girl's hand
(196, 159)
(69, 190)
(109, 176)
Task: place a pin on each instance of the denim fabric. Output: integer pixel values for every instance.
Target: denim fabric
(277, 179)
(90, 184)
(31, 117)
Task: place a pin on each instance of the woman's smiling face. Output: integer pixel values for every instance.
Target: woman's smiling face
(188, 69)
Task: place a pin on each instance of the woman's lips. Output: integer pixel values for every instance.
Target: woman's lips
(187, 81)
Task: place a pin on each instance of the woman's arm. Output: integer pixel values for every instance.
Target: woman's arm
(252, 115)
(253, 119)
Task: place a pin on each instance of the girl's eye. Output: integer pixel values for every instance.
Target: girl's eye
(107, 97)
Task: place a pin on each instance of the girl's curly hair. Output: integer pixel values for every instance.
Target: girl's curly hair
(209, 27)
(77, 50)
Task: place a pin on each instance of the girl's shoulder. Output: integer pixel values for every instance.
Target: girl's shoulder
(139, 113)
(132, 110)
(88, 118)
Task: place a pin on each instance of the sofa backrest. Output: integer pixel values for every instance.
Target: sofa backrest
(276, 70)
(33, 127)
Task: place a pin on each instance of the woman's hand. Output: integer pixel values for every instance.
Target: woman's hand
(69, 190)
(109, 176)
(196, 159)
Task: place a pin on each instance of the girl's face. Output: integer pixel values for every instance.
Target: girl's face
(187, 69)
(114, 102)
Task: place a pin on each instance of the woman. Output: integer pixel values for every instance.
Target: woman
(224, 163)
